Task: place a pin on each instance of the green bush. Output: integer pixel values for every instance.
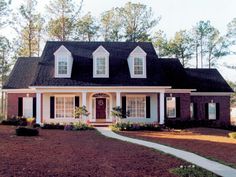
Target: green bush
(26, 131)
(81, 126)
(53, 126)
(15, 121)
(232, 135)
(127, 126)
(192, 171)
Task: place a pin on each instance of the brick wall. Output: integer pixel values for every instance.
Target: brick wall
(224, 107)
(184, 105)
(12, 103)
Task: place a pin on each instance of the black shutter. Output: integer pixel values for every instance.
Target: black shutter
(148, 107)
(217, 111)
(177, 99)
(124, 106)
(20, 106)
(206, 111)
(165, 109)
(76, 101)
(34, 107)
(52, 103)
(195, 110)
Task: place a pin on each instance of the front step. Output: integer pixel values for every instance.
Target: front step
(101, 124)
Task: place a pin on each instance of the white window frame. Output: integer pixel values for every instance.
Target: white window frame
(106, 67)
(136, 96)
(214, 116)
(55, 105)
(167, 113)
(143, 70)
(61, 59)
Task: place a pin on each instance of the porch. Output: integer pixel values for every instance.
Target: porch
(57, 105)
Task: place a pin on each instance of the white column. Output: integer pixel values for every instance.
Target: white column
(162, 107)
(118, 103)
(38, 108)
(84, 101)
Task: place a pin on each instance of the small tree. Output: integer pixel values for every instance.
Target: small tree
(118, 113)
(81, 111)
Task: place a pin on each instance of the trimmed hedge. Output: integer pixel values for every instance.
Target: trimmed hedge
(27, 131)
(15, 121)
(127, 126)
(53, 126)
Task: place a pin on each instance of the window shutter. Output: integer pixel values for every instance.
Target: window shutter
(52, 103)
(76, 101)
(148, 107)
(20, 106)
(217, 111)
(165, 111)
(206, 111)
(177, 99)
(195, 110)
(124, 106)
(34, 107)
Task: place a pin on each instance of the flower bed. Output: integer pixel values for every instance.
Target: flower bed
(127, 126)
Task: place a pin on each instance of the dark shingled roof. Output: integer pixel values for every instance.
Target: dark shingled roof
(207, 80)
(22, 73)
(160, 71)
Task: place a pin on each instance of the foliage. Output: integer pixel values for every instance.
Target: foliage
(231, 32)
(111, 25)
(128, 126)
(233, 96)
(26, 131)
(232, 135)
(160, 42)
(64, 14)
(192, 171)
(4, 11)
(81, 111)
(81, 126)
(86, 28)
(117, 113)
(53, 126)
(30, 121)
(15, 121)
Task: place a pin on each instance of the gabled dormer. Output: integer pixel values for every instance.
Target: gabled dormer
(63, 62)
(137, 63)
(101, 63)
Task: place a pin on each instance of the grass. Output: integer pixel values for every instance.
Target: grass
(192, 171)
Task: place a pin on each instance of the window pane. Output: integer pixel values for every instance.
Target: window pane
(138, 66)
(64, 107)
(136, 107)
(101, 66)
(171, 107)
(62, 66)
(69, 106)
(212, 111)
(59, 107)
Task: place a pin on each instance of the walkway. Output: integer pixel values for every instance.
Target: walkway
(210, 165)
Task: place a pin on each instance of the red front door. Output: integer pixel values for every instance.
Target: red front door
(100, 108)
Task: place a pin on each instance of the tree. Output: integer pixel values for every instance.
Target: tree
(137, 20)
(64, 14)
(4, 10)
(86, 28)
(28, 26)
(212, 45)
(111, 25)
(181, 46)
(160, 43)
(231, 32)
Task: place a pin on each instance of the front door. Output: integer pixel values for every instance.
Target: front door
(100, 108)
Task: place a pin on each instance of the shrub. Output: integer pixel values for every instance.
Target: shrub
(26, 131)
(127, 126)
(81, 111)
(53, 126)
(15, 121)
(82, 126)
(232, 135)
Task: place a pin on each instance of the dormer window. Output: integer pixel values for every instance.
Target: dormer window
(137, 63)
(63, 62)
(100, 63)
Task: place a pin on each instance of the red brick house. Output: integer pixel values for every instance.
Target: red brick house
(102, 75)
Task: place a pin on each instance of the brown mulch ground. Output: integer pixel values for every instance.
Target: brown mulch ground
(82, 153)
(207, 142)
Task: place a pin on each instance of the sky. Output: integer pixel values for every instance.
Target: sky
(175, 15)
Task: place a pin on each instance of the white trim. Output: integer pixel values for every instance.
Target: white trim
(162, 107)
(19, 90)
(179, 90)
(211, 93)
(92, 87)
(38, 108)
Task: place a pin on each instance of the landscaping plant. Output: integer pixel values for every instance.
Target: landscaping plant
(80, 112)
(232, 135)
(27, 131)
(128, 126)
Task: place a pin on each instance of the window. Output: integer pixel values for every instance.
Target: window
(101, 66)
(64, 107)
(138, 66)
(192, 110)
(62, 66)
(171, 107)
(211, 111)
(136, 106)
